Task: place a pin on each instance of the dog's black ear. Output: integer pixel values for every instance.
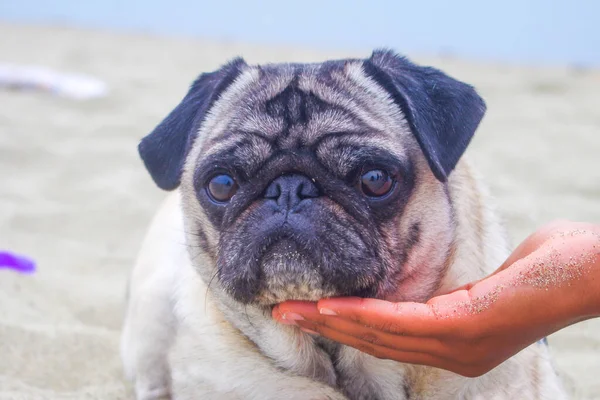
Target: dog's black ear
(443, 113)
(164, 150)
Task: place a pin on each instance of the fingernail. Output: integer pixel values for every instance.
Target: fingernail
(327, 311)
(309, 331)
(293, 317)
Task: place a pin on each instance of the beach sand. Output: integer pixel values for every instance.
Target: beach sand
(75, 196)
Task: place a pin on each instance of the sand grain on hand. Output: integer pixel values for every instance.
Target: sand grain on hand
(547, 271)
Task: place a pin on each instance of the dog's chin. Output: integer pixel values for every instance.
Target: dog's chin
(291, 270)
(288, 273)
(269, 297)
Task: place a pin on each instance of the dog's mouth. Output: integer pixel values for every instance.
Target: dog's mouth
(290, 272)
(279, 262)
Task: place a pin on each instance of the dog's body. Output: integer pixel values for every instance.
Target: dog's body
(382, 218)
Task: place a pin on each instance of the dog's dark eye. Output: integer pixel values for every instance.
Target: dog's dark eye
(222, 188)
(376, 183)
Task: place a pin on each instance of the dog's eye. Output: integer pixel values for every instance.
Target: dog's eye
(376, 183)
(222, 188)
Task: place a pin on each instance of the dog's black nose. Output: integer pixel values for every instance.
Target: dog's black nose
(289, 190)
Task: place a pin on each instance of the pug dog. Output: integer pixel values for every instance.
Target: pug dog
(305, 181)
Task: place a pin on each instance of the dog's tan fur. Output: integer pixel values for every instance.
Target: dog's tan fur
(184, 340)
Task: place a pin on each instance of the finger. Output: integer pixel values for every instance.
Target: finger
(410, 357)
(410, 349)
(453, 318)
(379, 337)
(411, 319)
(525, 248)
(445, 316)
(291, 311)
(541, 236)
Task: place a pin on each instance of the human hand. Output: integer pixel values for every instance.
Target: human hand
(550, 281)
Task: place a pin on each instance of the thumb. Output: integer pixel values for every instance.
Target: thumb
(524, 249)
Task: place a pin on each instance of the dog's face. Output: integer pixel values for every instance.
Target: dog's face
(303, 181)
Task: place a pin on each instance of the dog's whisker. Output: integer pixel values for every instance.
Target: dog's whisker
(248, 317)
(208, 288)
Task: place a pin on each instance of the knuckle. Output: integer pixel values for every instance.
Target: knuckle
(544, 233)
(392, 327)
(554, 228)
(332, 323)
(355, 318)
(370, 337)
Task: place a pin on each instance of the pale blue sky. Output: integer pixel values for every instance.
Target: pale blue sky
(531, 31)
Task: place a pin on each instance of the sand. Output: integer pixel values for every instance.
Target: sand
(74, 195)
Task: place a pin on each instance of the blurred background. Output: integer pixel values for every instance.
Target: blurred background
(531, 31)
(82, 81)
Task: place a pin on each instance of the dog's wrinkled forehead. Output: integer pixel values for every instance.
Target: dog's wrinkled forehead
(326, 108)
(287, 106)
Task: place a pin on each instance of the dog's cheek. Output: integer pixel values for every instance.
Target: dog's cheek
(348, 252)
(393, 256)
(420, 260)
(352, 274)
(202, 237)
(237, 267)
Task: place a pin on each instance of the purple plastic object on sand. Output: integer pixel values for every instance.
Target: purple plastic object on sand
(16, 262)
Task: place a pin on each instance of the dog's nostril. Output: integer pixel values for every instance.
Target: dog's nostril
(273, 191)
(289, 190)
(300, 191)
(307, 190)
